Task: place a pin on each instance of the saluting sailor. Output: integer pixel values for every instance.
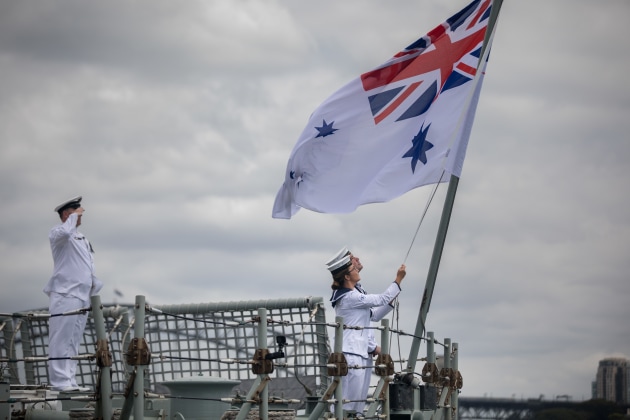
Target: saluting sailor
(70, 287)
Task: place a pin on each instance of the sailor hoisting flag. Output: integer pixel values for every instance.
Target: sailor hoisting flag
(400, 126)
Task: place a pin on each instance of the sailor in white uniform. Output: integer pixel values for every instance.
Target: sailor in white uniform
(358, 309)
(70, 287)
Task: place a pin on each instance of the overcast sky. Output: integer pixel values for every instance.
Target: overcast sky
(175, 121)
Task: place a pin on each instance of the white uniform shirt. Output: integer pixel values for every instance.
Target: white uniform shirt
(73, 273)
(377, 314)
(358, 309)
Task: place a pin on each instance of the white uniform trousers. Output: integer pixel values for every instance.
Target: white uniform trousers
(64, 337)
(356, 383)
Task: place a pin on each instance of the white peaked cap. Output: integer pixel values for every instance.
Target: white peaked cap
(76, 201)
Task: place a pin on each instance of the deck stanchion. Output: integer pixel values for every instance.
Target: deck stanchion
(455, 394)
(104, 361)
(263, 408)
(384, 369)
(262, 370)
(445, 378)
(339, 349)
(138, 333)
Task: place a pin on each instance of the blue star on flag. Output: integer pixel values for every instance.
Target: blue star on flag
(325, 129)
(419, 148)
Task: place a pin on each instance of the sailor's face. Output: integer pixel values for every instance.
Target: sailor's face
(356, 262)
(353, 274)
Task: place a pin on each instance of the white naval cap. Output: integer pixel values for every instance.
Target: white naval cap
(340, 265)
(73, 202)
(339, 255)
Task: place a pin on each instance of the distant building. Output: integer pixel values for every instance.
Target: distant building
(611, 382)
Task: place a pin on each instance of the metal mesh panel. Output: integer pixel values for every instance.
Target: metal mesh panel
(219, 339)
(8, 371)
(34, 334)
(216, 339)
(31, 340)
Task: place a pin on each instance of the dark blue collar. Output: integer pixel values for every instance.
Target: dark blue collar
(338, 294)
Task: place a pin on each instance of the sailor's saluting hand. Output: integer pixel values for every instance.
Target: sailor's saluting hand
(400, 275)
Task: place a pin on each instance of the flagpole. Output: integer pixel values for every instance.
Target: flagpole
(433, 269)
(494, 15)
(445, 220)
